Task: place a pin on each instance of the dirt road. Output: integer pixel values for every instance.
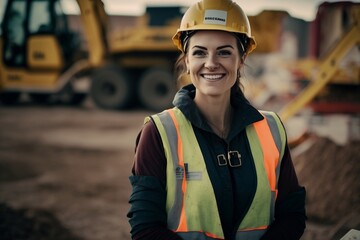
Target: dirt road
(64, 173)
(72, 164)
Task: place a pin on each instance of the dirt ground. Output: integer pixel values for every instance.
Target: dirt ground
(64, 173)
(70, 163)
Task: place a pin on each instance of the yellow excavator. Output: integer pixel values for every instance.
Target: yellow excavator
(40, 56)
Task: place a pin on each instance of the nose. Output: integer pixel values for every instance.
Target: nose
(211, 62)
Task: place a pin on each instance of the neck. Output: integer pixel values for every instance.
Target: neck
(218, 114)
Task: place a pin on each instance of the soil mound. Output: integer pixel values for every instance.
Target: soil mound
(331, 175)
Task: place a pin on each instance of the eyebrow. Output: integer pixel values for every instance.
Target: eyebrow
(221, 47)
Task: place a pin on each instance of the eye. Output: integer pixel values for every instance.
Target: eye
(198, 53)
(224, 53)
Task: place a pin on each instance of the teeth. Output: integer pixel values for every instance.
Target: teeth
(212, 77)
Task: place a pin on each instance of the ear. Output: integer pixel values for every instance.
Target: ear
(241, 63)
(243, 58)
(187, 63)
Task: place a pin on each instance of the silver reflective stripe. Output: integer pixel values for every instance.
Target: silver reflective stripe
(174, 212)
(272, 206)
(194, 236)
(250, 235)
(278, 142)
(274, 130)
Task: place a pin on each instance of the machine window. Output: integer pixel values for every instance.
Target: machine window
(40, 19)
(14, 24)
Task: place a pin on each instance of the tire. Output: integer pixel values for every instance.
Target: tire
(157, 89)
(9, 98)
(111, 89)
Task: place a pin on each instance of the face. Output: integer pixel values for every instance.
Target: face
(213, 61)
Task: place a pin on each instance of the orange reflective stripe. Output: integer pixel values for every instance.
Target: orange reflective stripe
(212, 235)
(257, 228)
(271, 154)
(182, 223)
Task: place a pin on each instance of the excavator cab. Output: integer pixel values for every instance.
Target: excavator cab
(35, 47)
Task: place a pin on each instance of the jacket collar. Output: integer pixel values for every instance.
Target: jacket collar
(244, 113)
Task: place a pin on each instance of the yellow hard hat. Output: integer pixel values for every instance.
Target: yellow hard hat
(224, 15)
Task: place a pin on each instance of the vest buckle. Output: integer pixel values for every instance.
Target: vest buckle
(234, 158)
(221, 160)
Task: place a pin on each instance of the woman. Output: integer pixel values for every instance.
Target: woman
(214, 167)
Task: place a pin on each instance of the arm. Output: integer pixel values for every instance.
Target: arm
(290, 214)
(147, 215)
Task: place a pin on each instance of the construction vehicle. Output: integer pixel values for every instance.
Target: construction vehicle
(333, 70)
(40, 56)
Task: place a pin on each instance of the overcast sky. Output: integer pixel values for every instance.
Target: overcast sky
(305, 9)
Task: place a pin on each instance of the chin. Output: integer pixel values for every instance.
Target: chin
(213, 92)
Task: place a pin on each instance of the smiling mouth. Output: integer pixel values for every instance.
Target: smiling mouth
(212, 76)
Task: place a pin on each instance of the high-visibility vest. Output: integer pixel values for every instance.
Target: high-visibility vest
(191, 203)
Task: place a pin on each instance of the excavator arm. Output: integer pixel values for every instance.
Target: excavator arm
(327, 69)
(95, 21)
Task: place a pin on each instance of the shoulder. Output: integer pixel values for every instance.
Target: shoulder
(147, 133)
(269, 114)
(277, 129)
(149, 159)
(273, 119)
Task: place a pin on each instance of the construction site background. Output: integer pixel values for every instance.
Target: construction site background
(325, 144)
(324, 140)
